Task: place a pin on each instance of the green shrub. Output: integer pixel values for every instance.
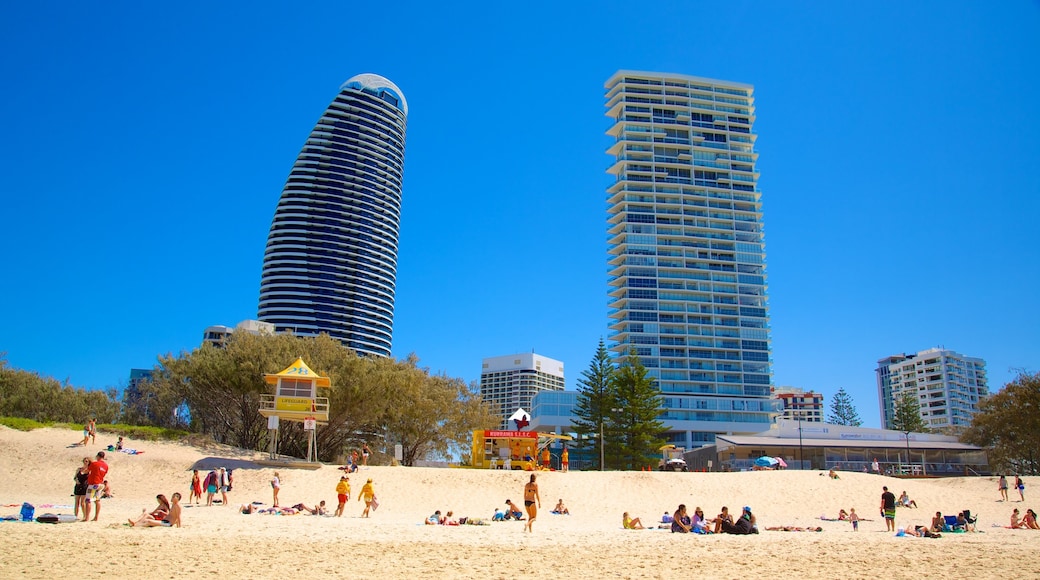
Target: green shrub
(21, 424)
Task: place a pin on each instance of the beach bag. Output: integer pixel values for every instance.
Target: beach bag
(27, 512)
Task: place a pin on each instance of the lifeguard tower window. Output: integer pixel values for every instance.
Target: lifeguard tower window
(295, 388)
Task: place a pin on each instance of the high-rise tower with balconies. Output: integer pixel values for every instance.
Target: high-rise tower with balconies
(686, 250)
(946, 386)
(331, 259)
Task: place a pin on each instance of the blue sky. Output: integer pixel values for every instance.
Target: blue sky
(144, 149)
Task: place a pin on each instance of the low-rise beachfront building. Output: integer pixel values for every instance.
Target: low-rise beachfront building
(841, 447)
(218, 334)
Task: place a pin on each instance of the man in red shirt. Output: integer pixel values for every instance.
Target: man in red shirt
(96, 472)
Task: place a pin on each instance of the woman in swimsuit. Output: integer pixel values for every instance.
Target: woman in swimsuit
(80, 489)
(530, 496)
(195, 487)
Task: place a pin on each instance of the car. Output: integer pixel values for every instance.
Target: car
(675, 465)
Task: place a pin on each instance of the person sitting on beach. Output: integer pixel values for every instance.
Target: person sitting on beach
(174, 518)
(119, 444)
(699, 524)
(723, 518)
(500, 516)
(1016, 521)
(561, 509)
(666, 518)
(1029, 520)
(247, 508)
(833, 474)
(680, 521)
(629, 523)
(743, 526)
(842, 515)
(434, 519)
(938, 522)
(156, 516)
(905, 501)
(513, 512)
(106, 490)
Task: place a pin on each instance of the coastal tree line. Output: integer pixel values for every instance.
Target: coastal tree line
(216, 391)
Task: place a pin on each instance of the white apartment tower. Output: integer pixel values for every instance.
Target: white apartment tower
(509, 382)
(947, 385)
(686, 251)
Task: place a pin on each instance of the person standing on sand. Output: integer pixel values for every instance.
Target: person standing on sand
(96, 472)
(79, 491)
(888, 509)
(1002, 487)
(196, 487)
(365, 452)
(1021, 487)
(854, 518)
(565, 460)
(276, 485)
(93, 431)
(211, 487)
(530, 496)
(875, 467)
(369, 495)
(225, 485)
(342, 494)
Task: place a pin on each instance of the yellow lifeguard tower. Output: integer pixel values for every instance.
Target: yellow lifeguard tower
(296, 399)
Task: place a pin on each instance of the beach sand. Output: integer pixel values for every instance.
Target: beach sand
(38, 467)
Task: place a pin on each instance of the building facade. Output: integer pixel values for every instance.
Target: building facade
(510, 382)
(686, 250)
(946, 384)
(331, 259)
(218, 334)
(799, 405)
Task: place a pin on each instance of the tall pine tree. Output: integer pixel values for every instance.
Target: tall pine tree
(634, 418)
(595, 399)
(906, 416)
(843, 412)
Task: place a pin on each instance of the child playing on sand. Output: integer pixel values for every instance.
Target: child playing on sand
(854, 518)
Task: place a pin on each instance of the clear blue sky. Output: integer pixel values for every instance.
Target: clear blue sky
(144, 148)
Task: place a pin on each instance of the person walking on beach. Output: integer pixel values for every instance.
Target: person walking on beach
(196, 487)
(888, 509)
(530, 496)
(79, 491)
(1002, 486)
(342, 494)
(96, 472)
(276, 485)
(854, 518)
(368, 493)
(1021, 487)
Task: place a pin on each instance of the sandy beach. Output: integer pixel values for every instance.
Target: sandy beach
(38, 467)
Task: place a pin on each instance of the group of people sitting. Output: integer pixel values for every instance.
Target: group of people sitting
(940, 523)
(164, 514)
(682, 522)
(512, 512)
(1026, 522)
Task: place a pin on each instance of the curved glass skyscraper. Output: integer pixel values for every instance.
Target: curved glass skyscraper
(331, 259)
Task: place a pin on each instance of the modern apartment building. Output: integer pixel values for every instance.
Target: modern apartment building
(799, 405)
(510, 382)
(946, 384)
(331, 259)
(686, 250)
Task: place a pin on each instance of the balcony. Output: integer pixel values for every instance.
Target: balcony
(295, 408)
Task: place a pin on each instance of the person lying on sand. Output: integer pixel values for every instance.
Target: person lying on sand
(319, 510)
(922, 532)
(793, 529)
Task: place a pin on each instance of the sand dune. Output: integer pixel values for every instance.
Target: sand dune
(38, 467)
